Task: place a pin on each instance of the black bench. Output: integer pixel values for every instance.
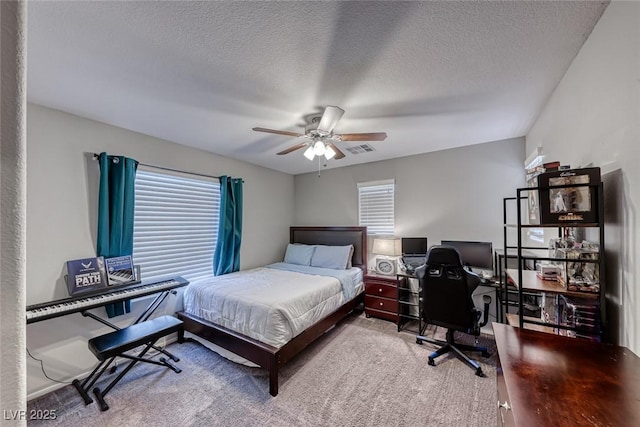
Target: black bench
(114, 344)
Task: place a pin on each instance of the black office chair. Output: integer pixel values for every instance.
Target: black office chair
(446, 302)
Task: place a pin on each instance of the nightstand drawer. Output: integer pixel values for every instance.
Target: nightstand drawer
(380, 289)
(381, 304)
(381, 314)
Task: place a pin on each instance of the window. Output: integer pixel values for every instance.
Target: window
(175, 225)
(376, 206)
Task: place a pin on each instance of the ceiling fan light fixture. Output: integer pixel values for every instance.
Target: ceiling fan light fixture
(309, 154)
(319, 148)
(329, 153)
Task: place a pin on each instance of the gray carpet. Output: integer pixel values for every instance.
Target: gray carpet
(362, 373)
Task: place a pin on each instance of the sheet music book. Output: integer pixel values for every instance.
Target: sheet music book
(120, 270)
(85, 275)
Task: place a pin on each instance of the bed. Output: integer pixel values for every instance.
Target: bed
(261, 347)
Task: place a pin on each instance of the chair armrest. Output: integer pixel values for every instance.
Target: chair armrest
(486, 299)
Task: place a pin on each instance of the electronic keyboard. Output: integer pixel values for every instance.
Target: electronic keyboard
(62, 307)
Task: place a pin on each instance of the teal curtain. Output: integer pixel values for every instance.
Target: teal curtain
(116, 201)
(226, 258)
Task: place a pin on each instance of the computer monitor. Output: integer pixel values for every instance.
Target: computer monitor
(414, 252)
(414, 246)
(473, 254)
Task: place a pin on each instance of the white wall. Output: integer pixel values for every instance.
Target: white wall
(452, 194)
(61, 221)
(593, 117)
(13, 210)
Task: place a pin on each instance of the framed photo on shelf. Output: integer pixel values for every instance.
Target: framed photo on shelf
(567, 204)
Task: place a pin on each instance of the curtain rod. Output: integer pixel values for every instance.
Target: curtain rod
(96, 156)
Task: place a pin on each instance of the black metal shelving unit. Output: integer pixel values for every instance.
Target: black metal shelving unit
(409, 304)
(589, 315)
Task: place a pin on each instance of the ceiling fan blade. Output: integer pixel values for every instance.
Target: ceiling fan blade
(294, 148)
(376, 136)
(339, 154)
(330, 118)
(279, 132)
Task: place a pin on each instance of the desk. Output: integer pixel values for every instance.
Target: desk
(551, 380)
(494, 283)
(409, 304)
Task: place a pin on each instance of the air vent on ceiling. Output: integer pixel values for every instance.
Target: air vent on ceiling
(359, 149)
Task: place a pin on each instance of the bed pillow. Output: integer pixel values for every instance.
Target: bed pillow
(349, 265)
(336, 257)
(299, 254)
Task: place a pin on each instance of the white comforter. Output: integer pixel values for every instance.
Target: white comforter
(266, 304)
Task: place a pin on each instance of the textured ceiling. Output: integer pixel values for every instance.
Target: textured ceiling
(433, 75)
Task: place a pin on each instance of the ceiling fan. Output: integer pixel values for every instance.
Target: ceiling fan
(320, 137)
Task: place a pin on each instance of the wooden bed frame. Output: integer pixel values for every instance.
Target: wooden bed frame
(267, 356)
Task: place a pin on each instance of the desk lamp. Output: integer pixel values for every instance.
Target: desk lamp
(388, 251)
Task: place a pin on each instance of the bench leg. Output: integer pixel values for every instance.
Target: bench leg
(83, 393)
(170, 365)
(165, 352)
(100, 394)
(83, 388)
(134, 359)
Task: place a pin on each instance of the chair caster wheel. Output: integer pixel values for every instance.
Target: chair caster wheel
(431, 362)
(479, 372)
(485, 354)
(418, 341)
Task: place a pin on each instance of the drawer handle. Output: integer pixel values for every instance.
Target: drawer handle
(381, 304)
(504, 405)
(380, 290)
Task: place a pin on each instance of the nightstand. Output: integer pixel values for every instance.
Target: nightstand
(381, 296)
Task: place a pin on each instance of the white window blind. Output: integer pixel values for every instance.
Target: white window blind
(376, 206)
(175, 225)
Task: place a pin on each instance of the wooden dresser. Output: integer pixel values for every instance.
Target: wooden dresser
(381, 296)
(550, 380)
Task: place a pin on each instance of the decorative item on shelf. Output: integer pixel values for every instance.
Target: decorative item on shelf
(566, 242)
(581, 314)
(582, 273)
(547, 272)
(548, 309)
(388, 251)
(555, 203)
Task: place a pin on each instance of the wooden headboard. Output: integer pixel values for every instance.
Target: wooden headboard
(339, 236)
